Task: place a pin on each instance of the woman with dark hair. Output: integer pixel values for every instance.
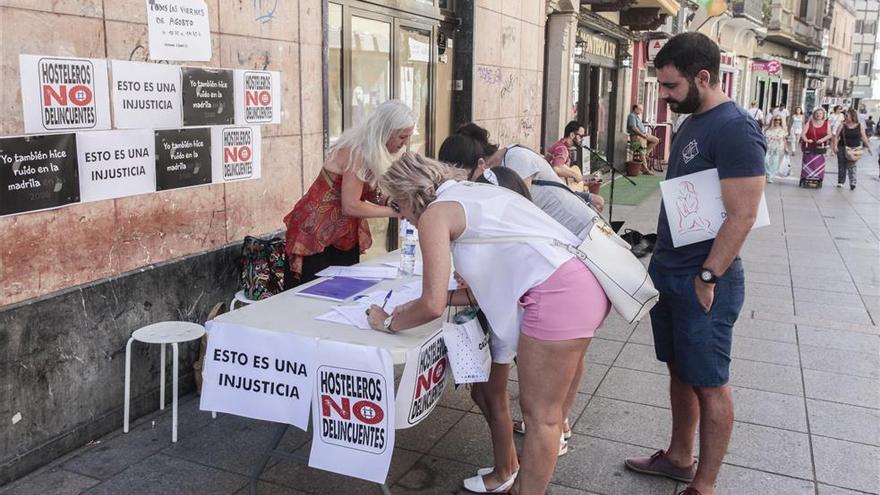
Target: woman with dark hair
(850, 135)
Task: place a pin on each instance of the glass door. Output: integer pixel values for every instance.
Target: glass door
(370, 76)
(414, 80)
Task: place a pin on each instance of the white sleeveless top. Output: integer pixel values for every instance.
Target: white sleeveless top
(500, 273)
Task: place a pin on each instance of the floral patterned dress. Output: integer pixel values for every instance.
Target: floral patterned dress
(317, 222)
(775, 138)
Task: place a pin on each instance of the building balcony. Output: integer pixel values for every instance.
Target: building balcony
(820, 66)
(750, 9)
(637, 15)
(785, 28)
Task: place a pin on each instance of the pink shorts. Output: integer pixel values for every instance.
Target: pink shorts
(570, 304)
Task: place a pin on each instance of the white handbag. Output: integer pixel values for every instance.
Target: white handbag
(467, 347)
(622, 276)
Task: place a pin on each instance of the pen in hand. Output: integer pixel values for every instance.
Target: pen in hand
(387, 297)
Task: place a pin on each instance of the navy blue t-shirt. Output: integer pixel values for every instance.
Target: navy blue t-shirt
(724, 138)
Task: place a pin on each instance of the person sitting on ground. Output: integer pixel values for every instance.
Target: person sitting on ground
(474, 223)
(559, 153)
(637, 133)
(328, 225)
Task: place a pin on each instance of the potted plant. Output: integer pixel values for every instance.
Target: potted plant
(634, 165)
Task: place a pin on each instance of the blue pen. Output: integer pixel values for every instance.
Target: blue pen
(387, 297)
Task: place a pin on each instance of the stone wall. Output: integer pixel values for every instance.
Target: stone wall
(508, 69)
(76, 281)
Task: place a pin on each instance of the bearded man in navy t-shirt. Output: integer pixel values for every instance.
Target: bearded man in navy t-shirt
(701, 285)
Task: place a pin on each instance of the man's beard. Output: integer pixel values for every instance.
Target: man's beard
(691, 102)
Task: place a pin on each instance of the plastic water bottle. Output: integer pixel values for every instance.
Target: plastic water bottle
(408, 247)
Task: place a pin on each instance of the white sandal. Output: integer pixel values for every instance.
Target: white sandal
(475, 484)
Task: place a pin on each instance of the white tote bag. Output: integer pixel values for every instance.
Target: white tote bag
(467, 347)
(622, 276)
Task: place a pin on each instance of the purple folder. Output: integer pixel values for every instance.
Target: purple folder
(338, 288)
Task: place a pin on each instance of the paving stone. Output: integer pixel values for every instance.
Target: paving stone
(769, 409)
(423, 436)
(468, 441)
(643, 334)
(597, 465)
(225, 443)
(615, 328)
(784, 306)
(151, 434)
(845, 314)
(627, 422)
(640, 357)
(301, 477)
(847, 464)
(765, 351)
(165, 474)
(564, 490)
(635, 386)
(868, 289)
(756, 266)
(839, 339)
(833, 490)
(266, 488)
(844, 422)
(763, 329)
(808, 281)
(770, 449)
(594, 373)
(458, 398)
(53, 480)
(434, 476)
(735, 479)
(838, 361)
(823, 297)
(757, 290)
(603, 351)
(834, 387)
(766, 376)
(783, 280)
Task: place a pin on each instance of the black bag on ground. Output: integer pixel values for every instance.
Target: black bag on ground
(262, 265)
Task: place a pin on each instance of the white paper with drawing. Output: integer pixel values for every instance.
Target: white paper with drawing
(694, 208)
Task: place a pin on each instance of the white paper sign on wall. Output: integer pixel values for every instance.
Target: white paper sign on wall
(258, 374)
(145, 96)
(257, 97)
(179, 30)
(236, 153)
(64, 94)
(353, 411)
(114, 164)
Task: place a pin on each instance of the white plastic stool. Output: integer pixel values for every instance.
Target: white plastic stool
(239, 298)
(166, 332)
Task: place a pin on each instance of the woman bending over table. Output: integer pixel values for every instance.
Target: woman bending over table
(328, 225)
(500, 243)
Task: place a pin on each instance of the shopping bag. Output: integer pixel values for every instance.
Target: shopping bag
(467, 347)
(785, 166)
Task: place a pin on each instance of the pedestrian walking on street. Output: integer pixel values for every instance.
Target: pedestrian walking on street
(328, 225)
(814, 144)
(702, 285)
(777, 147)
(850, 143)
(797, 128)
(869, 126)
(499, 241)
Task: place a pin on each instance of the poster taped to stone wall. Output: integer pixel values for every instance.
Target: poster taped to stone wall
(237, 153)
(145, 96)
(183, 158)
(37, 173)
(257, 97)
(208, 97)
(115, 164)
(258, 374)
(64, 94)
(353, 411)
(422, 382)
(179, 30)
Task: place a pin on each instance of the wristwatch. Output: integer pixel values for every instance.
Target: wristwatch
(707, 276)
(387, 324)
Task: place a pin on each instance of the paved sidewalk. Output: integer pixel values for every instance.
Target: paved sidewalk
(805, 378)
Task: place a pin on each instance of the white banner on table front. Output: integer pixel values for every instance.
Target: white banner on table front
(258, 374)
(353, 418)
(115, 164)
(694, 208)
(236, 153)
(146, 96)
(257, 97)
(422, 382)
(64, 94)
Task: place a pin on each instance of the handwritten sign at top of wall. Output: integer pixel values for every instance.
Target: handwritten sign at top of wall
(64, 94)
(179, 30)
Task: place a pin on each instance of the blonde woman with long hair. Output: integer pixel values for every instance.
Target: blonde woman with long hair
(503, 249)
(777, 146)
(328, 225)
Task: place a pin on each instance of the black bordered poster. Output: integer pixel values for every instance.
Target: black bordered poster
(37, 172)
(183, 158)
(208, 97)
